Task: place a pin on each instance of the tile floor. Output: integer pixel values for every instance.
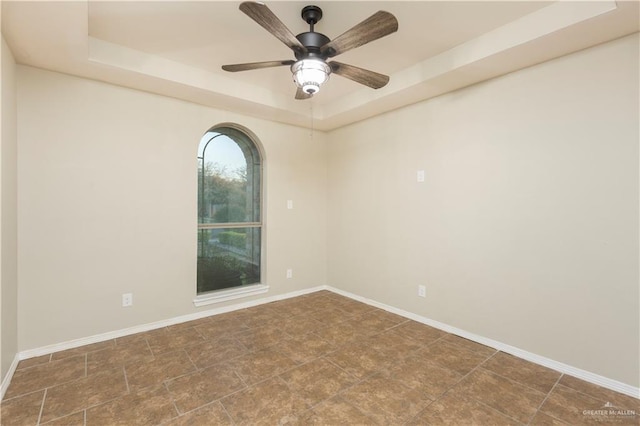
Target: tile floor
(319, 359)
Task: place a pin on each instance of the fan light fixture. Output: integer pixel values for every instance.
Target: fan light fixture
(311, 49)
(310, 74)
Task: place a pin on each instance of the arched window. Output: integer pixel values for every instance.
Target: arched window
(229, 210)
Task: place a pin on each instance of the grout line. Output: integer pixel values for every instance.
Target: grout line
(227, 412)
(193, 363)
(199, 332)
(241, 379)
(126, 379)
(173, 401)
(500, 412)
(545, 399)
(44, 398)
(149, 347)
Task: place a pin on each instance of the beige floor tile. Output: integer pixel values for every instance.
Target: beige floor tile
(220, 326)
(257, 366)
(335, 412)
(383, 315)
(300, 325)
(21, 410)
(125, 340)
(203, 387)
(422, 375)
(83, 350)
(573, 407)
(340, 334)
(329, 316)
(619, 400)
(163, 367)
(306, 348)
(317, 381)
(150, 406)
(352, 307)
(43, 376)
(455, 409)
(118, 356)
(269, 402)
(261, 337)
(386, 401)
(262, 317)
(74, 396)
(421, 333)
(360, 360)
(511, 398)
(217, 351)
(542, 419)
(307, 306)
(453, 357)
(212, 414)
(26, 363)
(391, 343)
(469, 345)
(168, 341)
(318, 303)
(525, 372)
(375, 322)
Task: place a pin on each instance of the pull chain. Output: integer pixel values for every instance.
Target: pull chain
(311, 117)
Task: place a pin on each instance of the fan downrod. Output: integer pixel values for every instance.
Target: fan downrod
(311, 40)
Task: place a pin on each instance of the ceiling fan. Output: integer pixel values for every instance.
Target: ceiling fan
(311, 49)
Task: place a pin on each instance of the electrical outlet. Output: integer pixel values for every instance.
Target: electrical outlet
(127, 299)
(420, 176)
(289, 273)
(422, 291)
(289, 204)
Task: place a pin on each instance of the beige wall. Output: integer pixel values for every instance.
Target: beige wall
(107, 203)
(526, 229)
(8, 214)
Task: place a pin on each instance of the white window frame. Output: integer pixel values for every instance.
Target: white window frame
(223, 295)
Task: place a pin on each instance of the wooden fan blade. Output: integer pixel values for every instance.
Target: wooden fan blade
(374, 27)
(256, 65)
(359, 75)
(260, 13)
(302, 95)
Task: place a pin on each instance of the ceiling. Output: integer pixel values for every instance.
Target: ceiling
(176, 48)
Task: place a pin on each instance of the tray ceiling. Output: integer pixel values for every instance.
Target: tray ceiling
(176, 48)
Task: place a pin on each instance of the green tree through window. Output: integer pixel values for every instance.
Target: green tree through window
(229, 211)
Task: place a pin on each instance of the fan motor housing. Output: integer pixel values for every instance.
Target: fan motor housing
(313, 42)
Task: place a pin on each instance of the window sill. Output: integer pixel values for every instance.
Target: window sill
(231, 294)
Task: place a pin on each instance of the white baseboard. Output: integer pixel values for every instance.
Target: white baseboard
(6, 380)
(546, 362)
(57, 347)
(587, 376)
